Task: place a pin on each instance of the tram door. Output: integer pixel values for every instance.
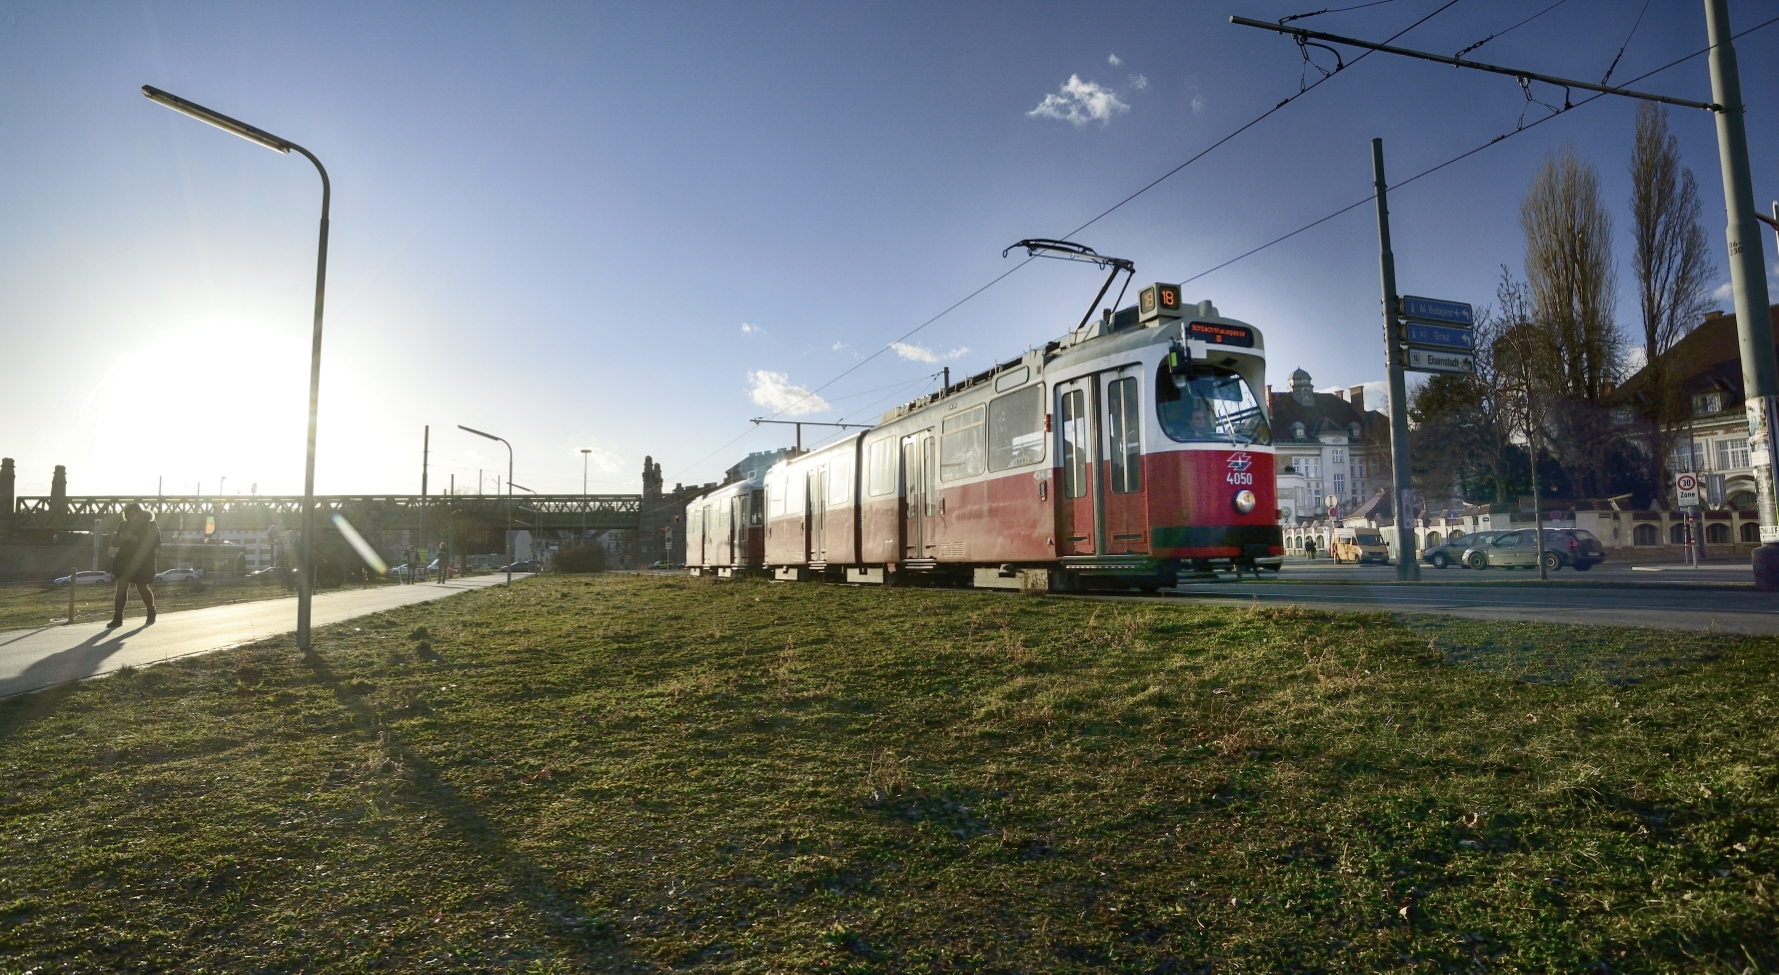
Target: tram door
(1126, 506)
(1077, 527)
(817, 515)
(920, 475)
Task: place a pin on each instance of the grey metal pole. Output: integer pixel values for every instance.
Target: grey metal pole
(1408, 568)
(306, 582)
(585, 452)
(425, 455)
(509, 539)
(1754, 329)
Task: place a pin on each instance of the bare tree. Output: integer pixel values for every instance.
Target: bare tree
(1569, 271)
(1673, 266)
(1571, 280)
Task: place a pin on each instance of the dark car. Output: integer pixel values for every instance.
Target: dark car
(1573, 547)
(1578, 548)
(522, 566)
(1451, 551)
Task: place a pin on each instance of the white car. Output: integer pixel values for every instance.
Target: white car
(179, 575)
(91, 577)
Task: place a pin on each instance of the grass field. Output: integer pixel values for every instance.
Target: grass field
(654, 774)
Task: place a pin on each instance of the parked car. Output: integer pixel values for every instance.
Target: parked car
(1574, 547)
(1451, 551)
(520, 566)
(269, 572)
(91, 577)
(665, 564)
(1359, 545)
(179, 575)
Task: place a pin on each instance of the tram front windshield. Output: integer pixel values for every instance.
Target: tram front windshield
(1209, 403)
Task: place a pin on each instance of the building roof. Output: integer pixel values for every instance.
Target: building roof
(1321, 413)
(1708, 357)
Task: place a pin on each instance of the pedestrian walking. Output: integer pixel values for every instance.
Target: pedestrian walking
(1309, 547)
(444, 563)
(136, 540)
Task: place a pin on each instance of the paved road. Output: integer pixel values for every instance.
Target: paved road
(1676, 597)
(1722, 573)
(34, 659)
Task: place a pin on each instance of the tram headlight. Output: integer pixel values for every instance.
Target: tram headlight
(1245, 501)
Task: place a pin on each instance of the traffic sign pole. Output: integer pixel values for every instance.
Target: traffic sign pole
(1408, 566)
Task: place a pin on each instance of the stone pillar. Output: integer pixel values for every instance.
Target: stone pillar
(8, 501)
(58, 492)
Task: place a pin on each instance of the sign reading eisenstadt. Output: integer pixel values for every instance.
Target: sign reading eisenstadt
(1440, 360)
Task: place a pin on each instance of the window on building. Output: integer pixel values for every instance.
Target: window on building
(1705, 404)
(1340, 484)
(1359, 469)
(1717, 533)
(1732, 454)
(1688, 455)
(1742, 500)
(1337, 456)
(1751, 532)
(882, 467)
(1297, 431)
(1016, 429)
(1646, 535)
(1677, 533)
(1124, 426)
(960, 445)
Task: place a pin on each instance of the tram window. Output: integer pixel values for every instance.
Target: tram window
(840, 481)
(960, 446)
(883, 468)
(1016, 429)
(1209, 403)
(1125, 427)
(1076, 439)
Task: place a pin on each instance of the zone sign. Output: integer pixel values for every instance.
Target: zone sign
(1686, 490)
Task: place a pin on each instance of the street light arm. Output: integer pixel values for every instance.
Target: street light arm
(223, 122)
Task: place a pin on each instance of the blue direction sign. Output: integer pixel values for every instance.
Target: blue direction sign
(1439, 336)
(1436, 311)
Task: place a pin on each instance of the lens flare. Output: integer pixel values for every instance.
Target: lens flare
(359, 545)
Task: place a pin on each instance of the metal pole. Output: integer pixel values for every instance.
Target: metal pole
(1537, 498)
(1748, 278)
(306, 582)
(585, 452)
(425, 455)
(73, 577)
(1408, 569)
(509, 541)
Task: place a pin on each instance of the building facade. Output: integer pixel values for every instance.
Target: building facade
(1326, 444)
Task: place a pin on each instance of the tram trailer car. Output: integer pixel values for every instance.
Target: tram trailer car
(725, 530)
(1131, 450)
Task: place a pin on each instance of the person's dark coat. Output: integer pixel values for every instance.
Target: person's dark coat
(136, 544)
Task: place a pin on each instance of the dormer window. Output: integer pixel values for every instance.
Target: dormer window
(1353, 430)
(1297, 431)
(1705, 404)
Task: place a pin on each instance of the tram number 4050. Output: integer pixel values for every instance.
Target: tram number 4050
(1239, 477)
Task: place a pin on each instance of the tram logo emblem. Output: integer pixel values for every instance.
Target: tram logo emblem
(1241, 460)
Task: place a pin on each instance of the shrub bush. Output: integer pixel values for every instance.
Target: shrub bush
(580, 558)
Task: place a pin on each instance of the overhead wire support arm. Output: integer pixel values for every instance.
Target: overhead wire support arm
(1524, 76)
(1068, 250)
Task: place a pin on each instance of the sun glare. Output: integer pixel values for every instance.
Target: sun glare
(196, 404)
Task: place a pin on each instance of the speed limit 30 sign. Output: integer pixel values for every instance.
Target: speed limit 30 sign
(1686, 490)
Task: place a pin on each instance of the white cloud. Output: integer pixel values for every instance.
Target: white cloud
(1114, 60)
(1139, 82)
(603, 460)
(747, 329)
(774, 391)
(1080, 102)
(915, 353)
(1724, 292)
(840, 345)
(1198, 103)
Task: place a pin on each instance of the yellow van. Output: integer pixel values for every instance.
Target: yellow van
(1360, 545)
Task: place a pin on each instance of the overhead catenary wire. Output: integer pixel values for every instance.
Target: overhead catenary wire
(1463, 155)
(1302, 90)
(1510, 30)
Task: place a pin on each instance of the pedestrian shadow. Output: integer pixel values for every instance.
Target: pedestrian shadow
(18, 635)
(592, 941)
(78, 662)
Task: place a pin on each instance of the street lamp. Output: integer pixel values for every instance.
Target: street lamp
(585, 452)
(509, 447)
(305, 580)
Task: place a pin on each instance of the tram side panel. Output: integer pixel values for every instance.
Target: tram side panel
(1192, 504)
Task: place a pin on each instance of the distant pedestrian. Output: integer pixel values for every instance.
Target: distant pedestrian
(137, 539)
(444, 563)
(1309, 547)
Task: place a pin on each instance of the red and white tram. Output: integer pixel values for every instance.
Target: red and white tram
(1134, 448)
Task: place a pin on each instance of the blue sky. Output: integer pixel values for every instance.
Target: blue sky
(632, 228)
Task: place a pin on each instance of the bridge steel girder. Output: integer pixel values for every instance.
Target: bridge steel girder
(367, 512)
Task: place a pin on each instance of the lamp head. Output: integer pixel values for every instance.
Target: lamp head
(217, 119)
(478, 433)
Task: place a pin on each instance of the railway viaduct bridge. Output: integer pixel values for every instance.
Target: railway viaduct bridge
(367, 512)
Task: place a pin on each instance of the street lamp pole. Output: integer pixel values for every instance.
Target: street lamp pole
(509, 447)
(585, 452)
(306, 571)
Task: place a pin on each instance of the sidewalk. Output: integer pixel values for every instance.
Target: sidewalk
(31, 660)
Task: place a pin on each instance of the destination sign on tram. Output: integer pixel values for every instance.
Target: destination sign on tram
(1216, 334)
(1436, 311)
(1439, 336)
